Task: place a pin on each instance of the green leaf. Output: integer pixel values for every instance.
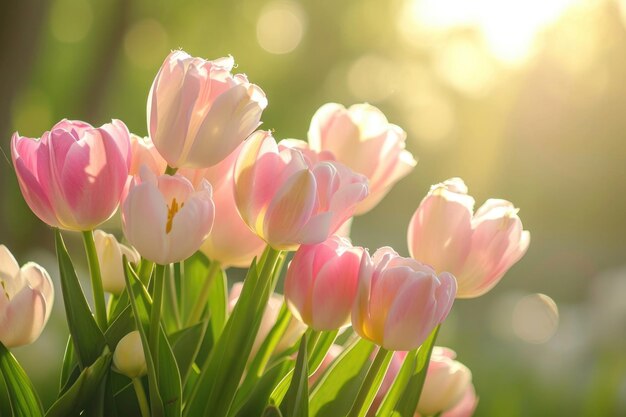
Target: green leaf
(296, 401)
(86, 335)
(399, 384)
(262, 357)
(186, 344)
(335, 392)
(407, 404)
(156, 403)
(82, 392)
(23, 398)
(271, 411)
(196, 273)
(123, 324)
(319, 350)
(69, 369)
(260, 394)
(217, 386)
(371, 383)
(163, 374)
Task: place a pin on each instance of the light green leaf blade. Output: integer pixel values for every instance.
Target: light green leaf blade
(23, 398)
(296, 401)
(336, 391)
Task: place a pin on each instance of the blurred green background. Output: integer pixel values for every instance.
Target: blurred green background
(525, 100)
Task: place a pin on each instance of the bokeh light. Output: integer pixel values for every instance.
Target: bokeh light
(280, 27)
(145, 43)
(535, 318)
(71, 20)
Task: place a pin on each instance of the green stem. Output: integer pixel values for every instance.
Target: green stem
(371, 383)
(145, 271)
(155, 313)
(173, 294)
(141, 397)
(96, 279)
(203, 297)
(170, 170)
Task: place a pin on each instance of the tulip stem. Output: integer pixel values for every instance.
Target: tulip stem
(203, 297)
(157, 306)
(96, 279)
(173, 292)
(371, 383)
(141, 397)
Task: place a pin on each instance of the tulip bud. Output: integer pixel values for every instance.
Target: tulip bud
(129, 358)
(399, 300)
(26, 298)
(321, 283)
(362, 139)
(446, 383)
(143, 152)
(73, 177)
(165, 218)
(477, 248)
(110, 253)
(198, 112)
(285, 201)
(465, 407)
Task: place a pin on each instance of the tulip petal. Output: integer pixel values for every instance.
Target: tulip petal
(22, 320)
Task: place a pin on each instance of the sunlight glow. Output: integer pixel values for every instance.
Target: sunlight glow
(509, 28)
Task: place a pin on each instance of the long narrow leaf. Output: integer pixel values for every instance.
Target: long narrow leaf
(23, 398)
(80, 395)
(407, 404)
(86, 335)
(335, 392)
(296, 401)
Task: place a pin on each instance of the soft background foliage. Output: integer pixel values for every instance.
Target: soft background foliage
(523, 100)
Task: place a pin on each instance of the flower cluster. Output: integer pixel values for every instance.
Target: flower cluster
(205, 191)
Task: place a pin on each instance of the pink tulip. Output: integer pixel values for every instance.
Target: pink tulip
(287, 202)
(477, 248)
(361, 138)
(165, 218)
(465, 407)
(295, 329)
(110, 258)
(231, 242)
(198, 112)
(143, 152)
(399, 300)
(26, 297)
(446, 383)
(321, 283)
(447, 387)
(73, 177)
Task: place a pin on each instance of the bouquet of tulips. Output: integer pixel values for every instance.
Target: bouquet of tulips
(354, 333)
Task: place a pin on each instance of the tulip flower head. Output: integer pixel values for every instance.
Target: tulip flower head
(73, 177)
(321, 283)
(362, 139)
(26, 298)
(143, 152)
(198, 112)
(399, 300)
(287, 202)
(110, 255)
(447, 382)
(477, 248)
(129, 358)
(165, 218)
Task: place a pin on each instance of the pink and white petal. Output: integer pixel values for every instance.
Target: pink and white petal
(290, 209)
(23, 318)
